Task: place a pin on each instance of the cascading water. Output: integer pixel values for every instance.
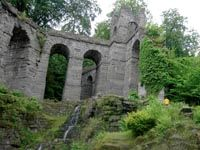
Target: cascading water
(69, 125)
(73, 121)
(40, 147)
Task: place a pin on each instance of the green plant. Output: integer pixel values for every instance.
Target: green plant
(139, 122)
(132, 95)
(41, 39)
(153, 66)
(56, 75)
(78, 146)
(166, 116)
(17, 93)
(196, 116)
(22, 16)
(3, 89)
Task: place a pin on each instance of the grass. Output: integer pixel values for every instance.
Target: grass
(113, 140)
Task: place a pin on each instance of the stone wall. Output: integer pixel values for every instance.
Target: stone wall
(24, 62)
(88, 83)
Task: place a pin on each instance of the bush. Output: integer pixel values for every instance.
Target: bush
(132, 95)
(184, 80)
(154, 115)
(78, 146)
(196, 116)
(14, 107)
(166, 116)
(139, 122)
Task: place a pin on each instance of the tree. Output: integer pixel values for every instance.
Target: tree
(56, 77)
(134, 5)
(102, 30)
(191, 43)
(76, 15)
(177, 36)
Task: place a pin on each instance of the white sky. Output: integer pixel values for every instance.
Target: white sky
(187, 8)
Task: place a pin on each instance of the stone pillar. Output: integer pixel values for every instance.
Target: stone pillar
(72, 89)
(101, 79)
(116, 70)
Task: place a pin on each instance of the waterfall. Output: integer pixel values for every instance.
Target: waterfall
(73, 121)
(40, 147)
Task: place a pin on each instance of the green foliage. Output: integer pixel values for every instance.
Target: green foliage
(139, 122)
(135, 5)
(23, 16)
(155, 116)
(94, 125)
(78, 146)
(41, 39)
(4, 89)
(166, 116)
(184, 80)
(177, 37)
(47, 13)
(196, 115)
(112, 141)
(102, 30)
(153, 66)
(15, 110)
(56, 77)
(156, 34)
(87, 63)
(133, 95)
(27, 138)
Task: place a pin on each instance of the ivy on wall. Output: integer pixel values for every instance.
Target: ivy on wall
(153, 66)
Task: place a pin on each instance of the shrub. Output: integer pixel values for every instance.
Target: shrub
(166, 116)
(132, 95)
(139, 122)
(78, 146)
(196, 116)
(3, 89)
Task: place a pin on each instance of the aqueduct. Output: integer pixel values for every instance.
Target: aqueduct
(24, 59)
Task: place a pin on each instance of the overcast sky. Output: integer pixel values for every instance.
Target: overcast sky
(187, 8)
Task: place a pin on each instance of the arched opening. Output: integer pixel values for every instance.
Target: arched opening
(134, 66)
(16, 61)
(136, 50)
(89, 80)
(56, 72)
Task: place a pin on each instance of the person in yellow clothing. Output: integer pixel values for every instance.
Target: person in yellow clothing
(166, 101)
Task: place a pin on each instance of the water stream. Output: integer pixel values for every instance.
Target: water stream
(73, 121)
(69, 125)
(40, 147)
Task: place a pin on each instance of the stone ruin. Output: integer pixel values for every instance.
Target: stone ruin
(24, 58)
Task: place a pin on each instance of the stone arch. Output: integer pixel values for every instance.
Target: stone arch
(136, 49)
(134, 65)
(60, 49)
(54, 87)
(17, 56)
(90, 76)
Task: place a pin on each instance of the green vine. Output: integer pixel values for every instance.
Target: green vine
(22, 16)
(41, 39)
(153, 66)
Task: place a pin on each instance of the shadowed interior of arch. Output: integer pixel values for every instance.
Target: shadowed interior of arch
(134, 66)
(56, 73)
(90, 72)
(15, 65)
